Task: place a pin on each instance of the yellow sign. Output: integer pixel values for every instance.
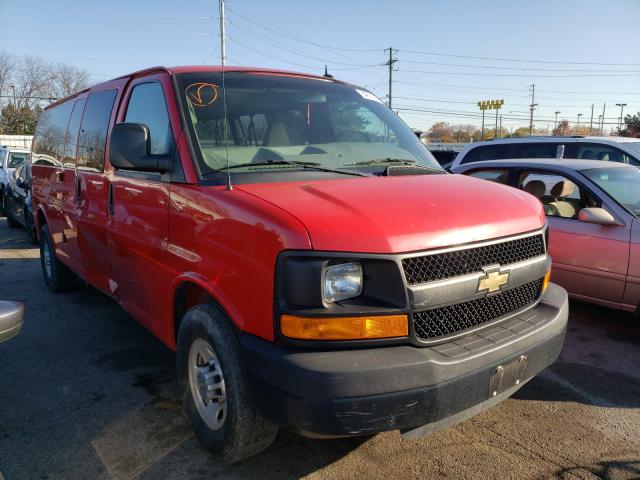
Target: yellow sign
(490, 104)
(493, 281)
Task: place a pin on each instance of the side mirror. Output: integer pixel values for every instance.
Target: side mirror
(21, 183)
(130, 147)
(596, 215)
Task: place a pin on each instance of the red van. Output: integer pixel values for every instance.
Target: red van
(301, 250)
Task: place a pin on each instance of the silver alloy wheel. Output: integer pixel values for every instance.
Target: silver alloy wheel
(46, 258)
(206, 382)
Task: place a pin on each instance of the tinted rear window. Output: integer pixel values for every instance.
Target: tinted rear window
(535, 150)
(487, 152)
(48, 141)
(93, 131)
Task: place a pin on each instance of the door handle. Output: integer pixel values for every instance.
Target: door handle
(78, 190)
(59, 176)
(110, 205)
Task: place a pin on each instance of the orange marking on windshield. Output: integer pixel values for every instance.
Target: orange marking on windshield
(202, 94)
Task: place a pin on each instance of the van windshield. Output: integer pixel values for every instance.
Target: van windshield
(282, 122)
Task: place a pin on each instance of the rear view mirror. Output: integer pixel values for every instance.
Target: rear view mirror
(596, 215)
(129, 149)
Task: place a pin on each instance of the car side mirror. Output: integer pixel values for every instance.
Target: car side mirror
(22, 183)
(130, 147)
(596, 215)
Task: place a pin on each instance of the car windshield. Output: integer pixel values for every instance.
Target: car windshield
(622, 183)
(16, 158)
(280, 122)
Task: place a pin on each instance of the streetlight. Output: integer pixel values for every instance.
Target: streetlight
(621, 105)
(578, 127)
(556, 124)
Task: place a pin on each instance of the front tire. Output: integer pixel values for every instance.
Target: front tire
(215, 389)
(56, 274)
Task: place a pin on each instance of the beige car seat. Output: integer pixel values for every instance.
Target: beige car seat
(536, 188)
(560, 207)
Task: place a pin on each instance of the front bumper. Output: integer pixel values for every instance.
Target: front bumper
(11, 314)
(365, 391)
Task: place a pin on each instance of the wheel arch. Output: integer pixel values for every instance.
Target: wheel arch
(190, 289)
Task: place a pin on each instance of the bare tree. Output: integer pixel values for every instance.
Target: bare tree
(67, 79)
(33, 81)
(7, 66)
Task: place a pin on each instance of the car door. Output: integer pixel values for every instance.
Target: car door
(92, 185)
(66, 190)
(632, 290)
(139, 210)
(589, 260)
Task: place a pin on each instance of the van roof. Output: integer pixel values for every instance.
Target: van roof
(195, 69)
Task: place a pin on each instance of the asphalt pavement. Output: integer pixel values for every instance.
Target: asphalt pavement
(87, 393)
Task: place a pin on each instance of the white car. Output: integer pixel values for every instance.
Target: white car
(10, 159)
(613, 149)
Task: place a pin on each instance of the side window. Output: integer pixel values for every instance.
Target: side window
(560, 196)
(147, 106)
(535, 150)
(487, 152)
(93, 130)
(595, 151)
(71, 137)
(48, 141)
(17, 158)
(19, 173)
(493, 175)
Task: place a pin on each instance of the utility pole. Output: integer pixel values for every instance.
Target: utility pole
(599, 124)
(555, 125)
(533, 106)
(223, 51)
(604, 107)
(390, 64)
(500, 126)
(621, 105)
(578, 127)
(495, 133)
(591, 124)
(482, 131)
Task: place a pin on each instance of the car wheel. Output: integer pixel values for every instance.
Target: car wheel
(56, 274)
(215, 389)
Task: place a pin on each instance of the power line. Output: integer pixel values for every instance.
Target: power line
(293, 37)
(525, 75)
(536, 69)
(521, 60)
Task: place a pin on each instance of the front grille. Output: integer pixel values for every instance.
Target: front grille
(461, 262)
(439, 322)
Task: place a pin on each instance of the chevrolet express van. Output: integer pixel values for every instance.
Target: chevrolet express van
(301, 250)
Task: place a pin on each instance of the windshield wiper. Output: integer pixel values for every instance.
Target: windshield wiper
(312, 165)
(381, 161)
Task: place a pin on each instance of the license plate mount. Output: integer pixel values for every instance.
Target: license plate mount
(507, 375)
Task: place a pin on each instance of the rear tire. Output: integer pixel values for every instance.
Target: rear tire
(56, 274)
(215, 389)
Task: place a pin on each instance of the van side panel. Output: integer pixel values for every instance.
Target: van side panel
(232, 239)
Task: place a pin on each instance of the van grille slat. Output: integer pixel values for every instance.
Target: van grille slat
(438, 266)
(440, 322)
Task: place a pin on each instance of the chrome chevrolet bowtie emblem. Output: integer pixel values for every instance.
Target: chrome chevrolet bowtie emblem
(493, 280)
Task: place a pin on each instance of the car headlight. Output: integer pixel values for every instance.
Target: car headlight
(341, 282)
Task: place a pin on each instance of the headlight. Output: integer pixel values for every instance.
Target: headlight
(341, 282)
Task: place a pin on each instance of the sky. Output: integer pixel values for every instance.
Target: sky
(451, 54)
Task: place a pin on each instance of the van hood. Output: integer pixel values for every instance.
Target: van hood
(403, 213)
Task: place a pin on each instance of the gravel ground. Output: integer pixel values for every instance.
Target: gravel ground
(85, 392)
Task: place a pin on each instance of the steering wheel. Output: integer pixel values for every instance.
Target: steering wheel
(345, 135)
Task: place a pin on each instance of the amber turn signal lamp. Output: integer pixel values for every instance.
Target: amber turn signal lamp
(344, 328)
(545, 282)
